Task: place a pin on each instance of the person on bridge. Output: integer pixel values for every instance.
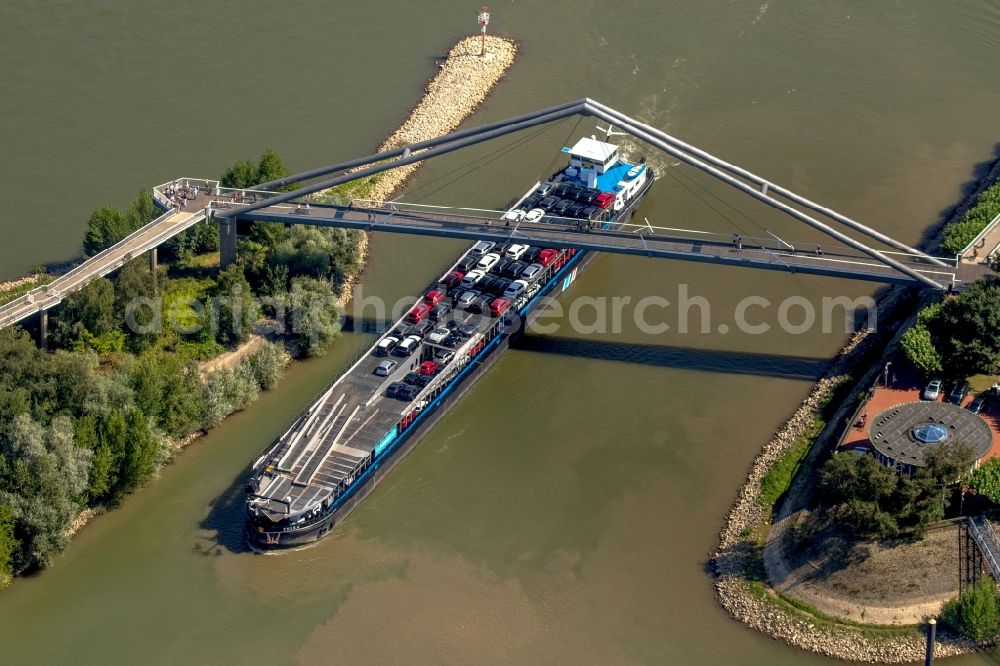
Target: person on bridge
(737, 242)
(819, 251)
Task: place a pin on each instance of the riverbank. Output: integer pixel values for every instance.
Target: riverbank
(463, 81)
(748, 555)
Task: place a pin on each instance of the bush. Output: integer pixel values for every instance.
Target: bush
(266, 364)
(975, 615)
(958, 235)
(986, 480)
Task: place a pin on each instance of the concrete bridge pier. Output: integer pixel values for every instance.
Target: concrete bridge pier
(43, 330)
(227, 242)
(152, 260)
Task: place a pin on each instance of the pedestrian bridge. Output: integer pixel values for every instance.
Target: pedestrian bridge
(188, 201)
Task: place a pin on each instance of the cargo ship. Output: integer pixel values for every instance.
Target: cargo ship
(340, 447)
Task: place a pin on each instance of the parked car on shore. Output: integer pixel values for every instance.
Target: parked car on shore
(958, 393)
(977, 404)
(932, 390)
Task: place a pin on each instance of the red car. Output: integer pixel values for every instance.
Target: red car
(604, 199)
(417, 314)
(546, 257)
(428, 367)
(452, 280)
(434, 297)
(498, 306)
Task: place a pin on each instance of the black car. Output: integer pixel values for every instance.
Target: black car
(486, 282)
(501, 249)
(547, 203)
(563, 190)
(457, 321)
(440, 311)
(958, 393)
(531, 202)
(515, 269)
(408, 393)
(468, 329)
(977, 404)
(393, 389)
(482, 303)
(500, 266)
(420, 329)
(576, 210)
(588, 196)
(561, 207)
(532, 254)
(590, 212)
(452, 340)
(577, 192)
(417, 379)
(500, 286)
(466, 263)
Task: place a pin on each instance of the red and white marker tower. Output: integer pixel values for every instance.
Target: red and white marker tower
(484, 20)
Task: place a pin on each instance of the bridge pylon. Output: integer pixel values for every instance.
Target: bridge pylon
(227, 242)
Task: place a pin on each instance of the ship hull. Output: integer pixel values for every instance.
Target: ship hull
(260, 539)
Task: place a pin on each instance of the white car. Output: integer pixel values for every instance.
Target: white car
(534, 215)
(531, 272)
(515, 251)
(515, 215)
(487, 262)
(438, 335)
(407, 346)
(386, 345)
(515, 289)
(481, 247)
(473, 278)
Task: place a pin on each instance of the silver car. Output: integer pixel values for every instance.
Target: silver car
(933, 390)
(386, 367)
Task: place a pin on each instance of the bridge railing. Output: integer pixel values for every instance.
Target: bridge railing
(771, 243)
(980, 240)
(986, 540)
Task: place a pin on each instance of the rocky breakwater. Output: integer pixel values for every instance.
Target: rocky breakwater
(464, 79)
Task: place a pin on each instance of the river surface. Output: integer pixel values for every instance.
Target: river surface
(565, 510)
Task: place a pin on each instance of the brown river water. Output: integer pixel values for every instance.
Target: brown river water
(565, 510)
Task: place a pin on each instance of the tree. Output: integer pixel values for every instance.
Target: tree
(920, 351)
(241, 175)
(87, 313)
(266, 364)
(975, 614)
(139, 458)
(136, 298)
(169, 391)
(9, 545)
(106, 226)
(967, 332)
(43, 480)
(199, 239)
(271, 167)
(25, 384)
(985, 480)
(237, 308)
(872, 500)
(142, 210)
(315, 319)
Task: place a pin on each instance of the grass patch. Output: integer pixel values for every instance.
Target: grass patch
(779, 478)
(21, 290)
(981, 383)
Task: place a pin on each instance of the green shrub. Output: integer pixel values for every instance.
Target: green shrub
(975, 615)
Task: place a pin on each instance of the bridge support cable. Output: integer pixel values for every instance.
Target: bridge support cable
(480, 136)
(405, 151)
(765, 186)
(757, 194)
